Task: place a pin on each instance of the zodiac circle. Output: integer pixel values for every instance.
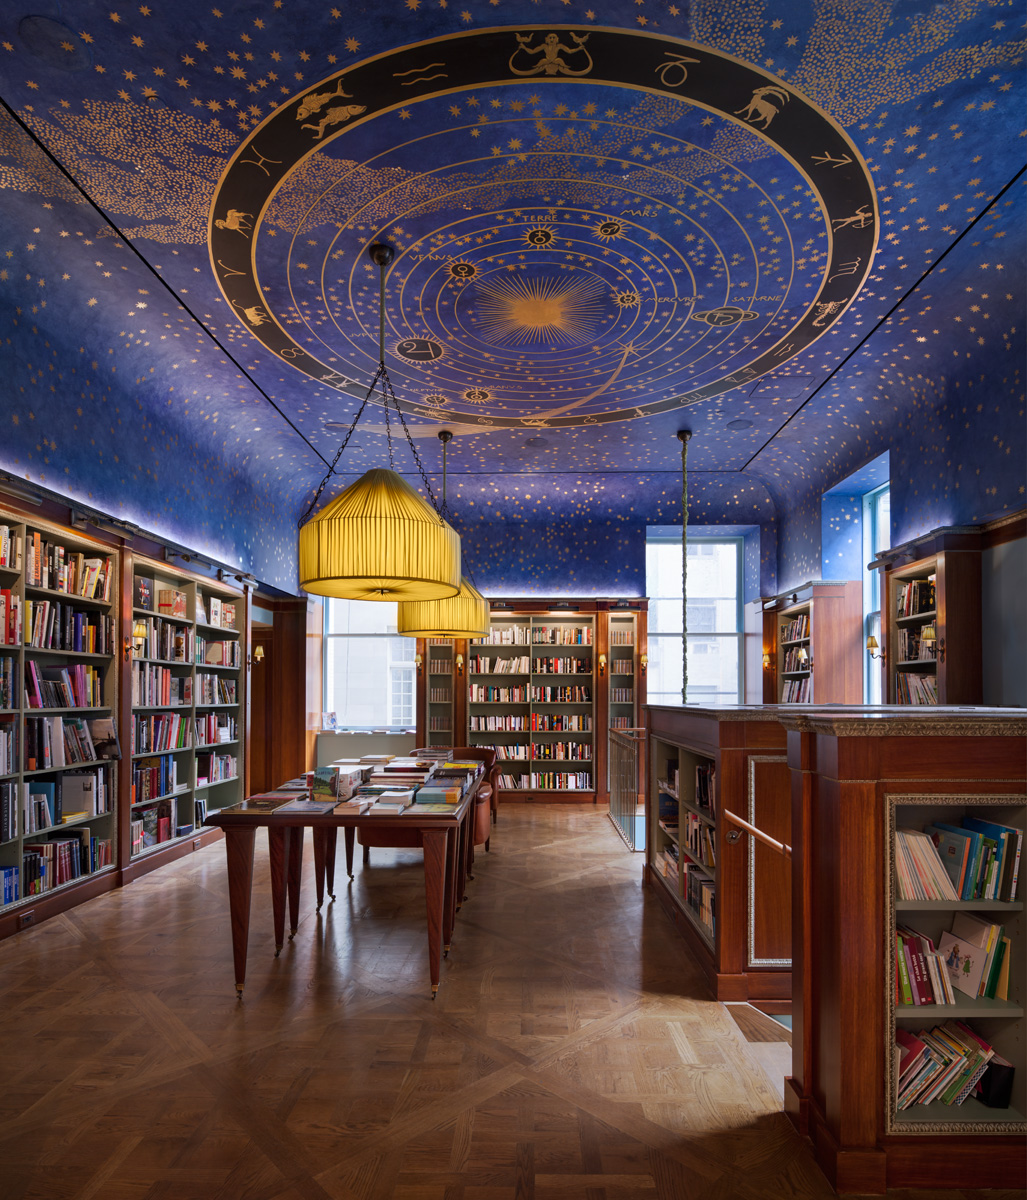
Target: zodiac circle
(552, 50)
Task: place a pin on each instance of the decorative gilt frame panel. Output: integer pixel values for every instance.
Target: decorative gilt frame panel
(753, 960)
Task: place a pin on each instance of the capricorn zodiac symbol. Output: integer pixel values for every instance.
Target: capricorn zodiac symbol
(235, 220)
(552, 49)
(761, 108)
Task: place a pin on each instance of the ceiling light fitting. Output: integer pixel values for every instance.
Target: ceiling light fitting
(378, 539)
(465, 615)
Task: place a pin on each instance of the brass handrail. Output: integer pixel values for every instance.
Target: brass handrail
(773, 843)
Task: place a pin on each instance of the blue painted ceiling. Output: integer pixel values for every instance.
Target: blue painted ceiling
(786, 227)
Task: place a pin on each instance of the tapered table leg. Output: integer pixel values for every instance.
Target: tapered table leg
(295, 877)
(239, 853)
(435, 895)
(350, 835)
(320, 839)
(450, 904)
(331, 837)
(278, 840)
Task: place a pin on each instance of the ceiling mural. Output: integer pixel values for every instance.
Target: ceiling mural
(778, 225)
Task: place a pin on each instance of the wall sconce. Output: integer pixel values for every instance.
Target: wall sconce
(602, 665)
(134, 644)
(805, 662)
(419, 663)
(930, 635)
(459, 664)
(872, 646)
(258, 654)
(766, 659)
(644, 662)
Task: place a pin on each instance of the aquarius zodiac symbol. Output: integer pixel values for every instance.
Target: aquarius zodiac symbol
(860, 219)
(552, 51)
(761, 108)
(335, 116)
(315, 101)
(254, 314)
(238, 222)
(676, 63)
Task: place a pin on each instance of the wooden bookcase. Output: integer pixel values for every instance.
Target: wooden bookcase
(730, 899)
(855, 777)
(940, 592)
(438, 660)
(186, 739)
(59, 644)
(816, 633)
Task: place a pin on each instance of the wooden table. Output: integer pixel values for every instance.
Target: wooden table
(446, 838)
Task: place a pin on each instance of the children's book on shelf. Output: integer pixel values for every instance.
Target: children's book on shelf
(227, 614)
(964, 961)
(171, 602)
(143, 593)
(213, 610)
(201, 611)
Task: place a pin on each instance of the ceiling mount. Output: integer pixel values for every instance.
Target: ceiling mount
(381, 254)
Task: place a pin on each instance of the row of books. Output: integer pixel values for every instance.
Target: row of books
(562, 635)
(76, 685)
(563, 751)
(621, 695)
(441, 695)
(562, 666)
(439, 725)
(912, 646)
(441, 666)
(706, 787)
(622, 666)
(504, 723)
(215, 689)
(8, 747)
(499, 666)
(568, 694)
(795, 659)
(511, 635)
(165, 731)
(512, 783)
(50, 864)
(152, 825)
(916, 596)
(796, 691)
(976, 860)
(482, 693)
(214, 729)
(699, 892)
(10, 548)
(55, 567)
(949, 1063)
(10, 618)
(700, 840)
(227, 653)
(155, 637)
(622, 637)
(8, 683)
(215, 768)
(159, 687)
(51, 625)
(154, 777)
(795, 630)
(56, 742)
(973, 958)
(915, 687)
(552, 781)
(508, 752)
(561, 722)
(621, 723)
(33, 805)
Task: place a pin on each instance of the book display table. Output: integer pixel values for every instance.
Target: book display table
(445, 837)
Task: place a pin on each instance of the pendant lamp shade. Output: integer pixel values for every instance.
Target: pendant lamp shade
(465, 615)
(378, 540)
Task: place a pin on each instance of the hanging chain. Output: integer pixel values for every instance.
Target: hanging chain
(389, 397)
(685, 437)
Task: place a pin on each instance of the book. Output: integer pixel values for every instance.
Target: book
(953, 846)
(104, 734)
(964, 961)
(324, 784)
(984, 934)
(1011, 840)
(142, 596)
(302, 805)
(262, 802)
(171, 602)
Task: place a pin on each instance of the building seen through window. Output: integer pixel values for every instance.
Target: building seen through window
(369, 670)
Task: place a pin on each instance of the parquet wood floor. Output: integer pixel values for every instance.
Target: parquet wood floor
(572, 1053)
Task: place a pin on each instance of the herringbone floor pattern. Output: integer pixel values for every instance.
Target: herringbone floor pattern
(572, 1053)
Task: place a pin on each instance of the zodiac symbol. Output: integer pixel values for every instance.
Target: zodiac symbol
(262, 160)
(255, 314)
(477, 395)
(677, 63)
(860, 219)
(236, 221)
(335, 116)
(334, 379)
(849, 268)
(552, 49)
(290, 352)
(728, 314)
(827, 308)
(781, 351)
(419, 349)
(229, 271)
(315, 101)
(825, 158)
(536, 423)
(414, 71)
(761, 108)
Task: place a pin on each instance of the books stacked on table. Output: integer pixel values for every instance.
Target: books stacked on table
(391, 801)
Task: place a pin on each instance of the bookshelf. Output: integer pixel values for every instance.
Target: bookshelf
(816, 632)
(729, 899)
(187, 729)
(999, 1021)
(856, 778)
(938, 593)
(531, 695)
(58, 698)
(438, 660)
(622, 669)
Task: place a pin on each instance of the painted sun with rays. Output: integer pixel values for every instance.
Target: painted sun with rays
(539, 310)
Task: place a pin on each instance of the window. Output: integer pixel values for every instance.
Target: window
(876, 537)
(369, 671)
(714, 620)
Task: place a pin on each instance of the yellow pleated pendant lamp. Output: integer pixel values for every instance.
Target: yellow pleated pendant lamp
(465, 615)
(378, 540)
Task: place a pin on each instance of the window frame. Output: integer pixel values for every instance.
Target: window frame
(873, 600)
(389, 667)
(738, 635)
